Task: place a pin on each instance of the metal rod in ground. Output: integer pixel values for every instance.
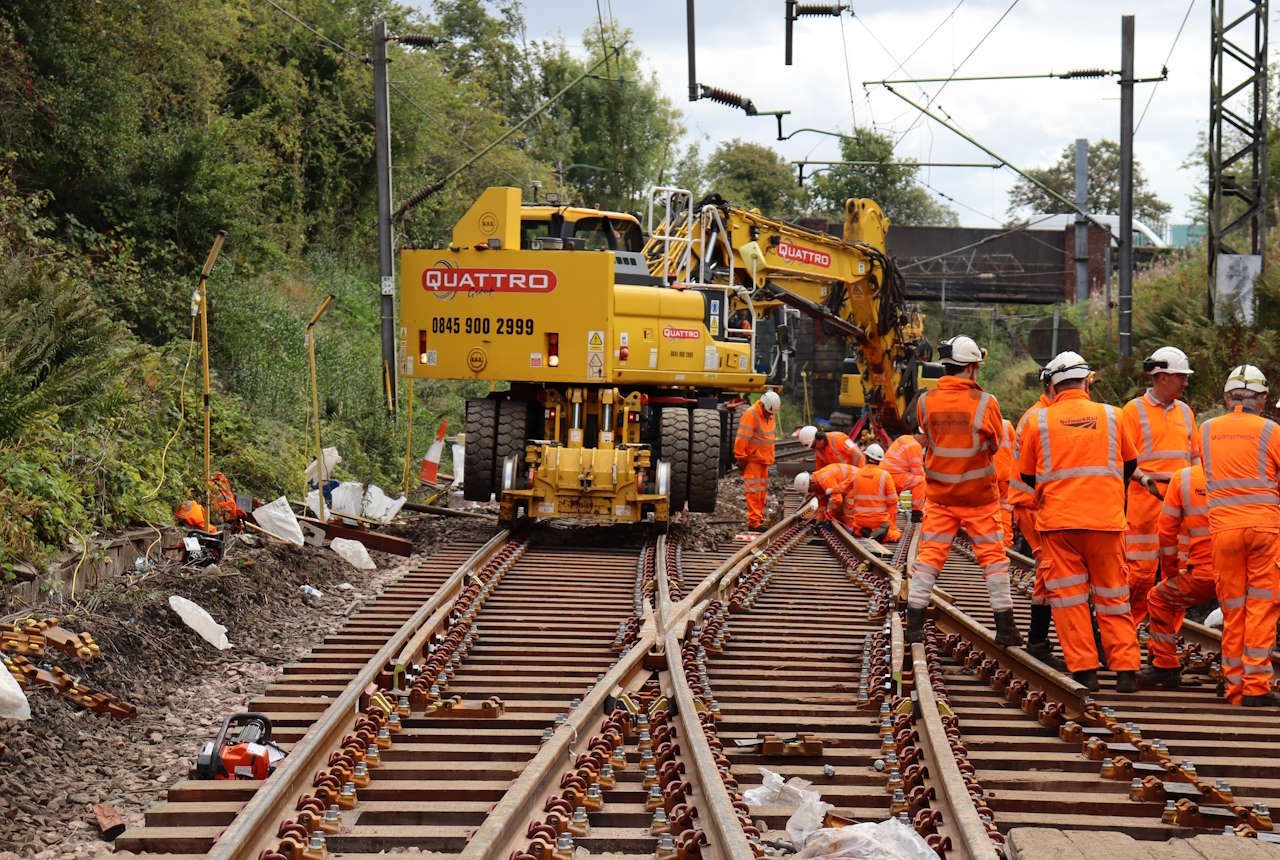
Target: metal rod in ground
(386, 261)
(1126, 185)
(1082, 226)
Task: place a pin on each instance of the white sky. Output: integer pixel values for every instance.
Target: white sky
(740, 47)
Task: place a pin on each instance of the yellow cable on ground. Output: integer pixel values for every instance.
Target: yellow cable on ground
(182, 416)
(84, 553)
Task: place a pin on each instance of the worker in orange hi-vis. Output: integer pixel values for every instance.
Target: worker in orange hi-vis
(832, 486)
(830, 446)
(962, 425)
(1078, 460)
(1242, 475)
(1004, 473)
(904, 461)
(753, 451)
(1022, 498)
(874, 502)
(1186, 573)
(1164, 430)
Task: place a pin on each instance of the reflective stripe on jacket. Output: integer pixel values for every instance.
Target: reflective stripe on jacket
(1077, 455)
(832, 483)
(755, 436)
(1019, 492)
(904, 461)
(1241, 465)
(1164, 435)
(1184, 522)
(875, 497)
(962, 427)
(840, 448)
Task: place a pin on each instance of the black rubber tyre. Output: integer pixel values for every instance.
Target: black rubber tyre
(513, 426)
(674, 448)
(728, 434)
(477, 469)
(704, 460)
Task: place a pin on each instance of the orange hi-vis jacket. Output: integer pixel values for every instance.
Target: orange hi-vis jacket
(834, 489)
(1184, 523)
(840, 448)
(1019, 493)
(1165, 434)
(875, 497)
(1242, 470)
(754, 442)
(904, 461)
(1004, 461)
(963, 426)
(1077, 454)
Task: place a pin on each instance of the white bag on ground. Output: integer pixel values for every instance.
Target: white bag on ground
(353, 552)
(194, 616)
(331, 459)
(807, 819)
(277, 517)
(459, 457)
(13, 702)
(869, 840)
(347, 499)
(380, 507)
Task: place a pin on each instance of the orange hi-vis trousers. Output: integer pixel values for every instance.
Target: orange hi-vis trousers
(1246, 562)
(1142, 546)
(755, 486)
(1167, 605)
(1075, 563)
(1025, 516)
(938, 530)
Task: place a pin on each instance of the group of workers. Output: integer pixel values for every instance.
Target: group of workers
(1106, 498)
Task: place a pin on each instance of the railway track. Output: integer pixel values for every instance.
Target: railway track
(622, 699)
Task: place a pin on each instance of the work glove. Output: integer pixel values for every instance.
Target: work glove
(742, 465)
(1149, 484)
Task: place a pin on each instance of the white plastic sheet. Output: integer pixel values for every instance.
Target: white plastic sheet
(331, 459)
(353, 552)
(347, 499)
(194, 616)
(13, 702)
(277, 517)
(459, 457)
(380, 507)
(794, 796)
(869, 840)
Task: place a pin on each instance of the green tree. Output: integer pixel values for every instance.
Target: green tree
(890, 182)
(1104, 186)
(754, 177)
(614, 133)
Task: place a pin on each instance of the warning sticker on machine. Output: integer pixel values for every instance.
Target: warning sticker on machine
(622, 510)
(711, 359)
(431, 358)
(653, 357)
(535, 359)
(595, 355)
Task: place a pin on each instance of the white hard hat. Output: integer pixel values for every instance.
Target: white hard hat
(806, 435)
(770, 401)
(1168, 359)
(1067, 365)
(801, 483)
(874, 452)
(1246, 377)
(960, 350)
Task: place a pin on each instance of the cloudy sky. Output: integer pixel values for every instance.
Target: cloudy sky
(740, 47)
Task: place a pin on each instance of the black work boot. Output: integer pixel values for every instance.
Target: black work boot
(1006, 630)
(1043, 652)
(1154, 676)
(1266, 700)
(1088, 678)
(1126, 681)
(917, 516)
(915, 625)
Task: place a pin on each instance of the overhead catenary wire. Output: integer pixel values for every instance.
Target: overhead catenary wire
(983, 241)
(960, 65)
(1168, 57)
(848, 71)
(321, 36)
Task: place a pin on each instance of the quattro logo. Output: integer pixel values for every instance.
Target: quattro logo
(476, 281)
(673, 333)
(797, 254)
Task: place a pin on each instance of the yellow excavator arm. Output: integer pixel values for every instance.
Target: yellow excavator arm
(849, 284)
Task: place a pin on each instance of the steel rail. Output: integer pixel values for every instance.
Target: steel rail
(504, 822)
(254, 827)
(960, 817)
(716, 809)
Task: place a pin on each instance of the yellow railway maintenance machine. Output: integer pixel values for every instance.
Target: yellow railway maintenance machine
(774, 271)
(623, 388)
